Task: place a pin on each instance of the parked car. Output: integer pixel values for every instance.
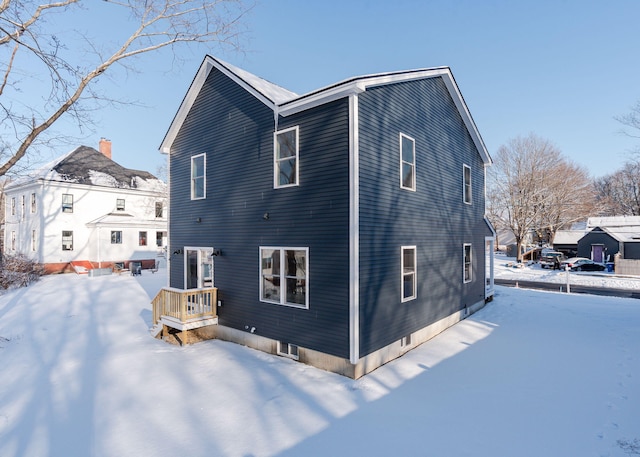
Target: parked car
(548, 259)
(582, 264)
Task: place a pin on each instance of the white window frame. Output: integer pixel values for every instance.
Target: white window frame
(277, 160)
(13, 206)
(466, 279)
(288, 350)
(120, 204)
(69, 238)
(414, 294)
(69, 203)
(282, 276)
(118, 238)
(33, 202)
(192, 178)
(159, 209)
(467, 195)
(205, 266)
(406, 341)
(412, 163)
(23, 208)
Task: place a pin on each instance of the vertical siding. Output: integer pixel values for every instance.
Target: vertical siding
(434, 218)
(235, 130)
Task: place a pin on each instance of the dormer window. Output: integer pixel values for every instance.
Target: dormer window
(120, 204)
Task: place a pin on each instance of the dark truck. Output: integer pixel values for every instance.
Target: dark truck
(551, 259)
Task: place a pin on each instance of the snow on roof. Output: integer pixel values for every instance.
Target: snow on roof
(86, 165)
(284, 102)
(614, 221)
(124, 219)
(568, 236)
(272, 91)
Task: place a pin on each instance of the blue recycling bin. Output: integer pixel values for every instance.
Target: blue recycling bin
(610, 267)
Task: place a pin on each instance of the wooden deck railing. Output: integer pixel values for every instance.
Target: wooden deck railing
(185, 304)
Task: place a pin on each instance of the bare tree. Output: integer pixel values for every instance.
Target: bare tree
(34, 44)
(531, 188)
(632, 120)
(571, 199)
(619, 193)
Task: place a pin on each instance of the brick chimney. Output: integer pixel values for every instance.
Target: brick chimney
(105, 147)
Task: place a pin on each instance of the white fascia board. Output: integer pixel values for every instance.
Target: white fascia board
(320, 98)
(360, 85)
(466, 117)
(207, 65)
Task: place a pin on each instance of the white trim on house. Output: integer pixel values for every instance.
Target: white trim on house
(354, 232)
(286, 103)
(277, 159)
(464, 263)
(489, 267)
(283, 290)
(466, 167)
(204, 177)
(413, 163)
(414, 293)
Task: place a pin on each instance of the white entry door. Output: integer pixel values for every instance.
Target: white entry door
(198, 267)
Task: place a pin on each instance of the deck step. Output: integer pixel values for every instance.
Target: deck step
(155, 330)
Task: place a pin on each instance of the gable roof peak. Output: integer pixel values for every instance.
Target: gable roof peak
(284, 102)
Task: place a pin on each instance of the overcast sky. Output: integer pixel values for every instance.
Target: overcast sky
(561, 69)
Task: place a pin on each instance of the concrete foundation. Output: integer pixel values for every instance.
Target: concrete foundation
(338, 365)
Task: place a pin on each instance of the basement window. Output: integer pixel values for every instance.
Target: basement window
(288, 350)
(405, 341)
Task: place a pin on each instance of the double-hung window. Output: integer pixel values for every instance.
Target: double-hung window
(408, 268)
(286, 157)
(466, 261)
(284, 276)
(466, 172)
(116, 237)
(119, 204)
(13, 206)
(67, 240)
(67, 203)
(198, 177)
(33, 202)
(159, 209)
(142, 238)
(407, 162)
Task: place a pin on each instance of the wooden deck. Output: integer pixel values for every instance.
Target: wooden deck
(185, 306)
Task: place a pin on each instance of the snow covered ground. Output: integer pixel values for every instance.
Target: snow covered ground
(532, 374)
(505, 269)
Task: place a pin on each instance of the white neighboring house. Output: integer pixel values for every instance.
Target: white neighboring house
(86, 209)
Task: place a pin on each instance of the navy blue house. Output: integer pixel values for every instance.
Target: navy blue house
(341, 227)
